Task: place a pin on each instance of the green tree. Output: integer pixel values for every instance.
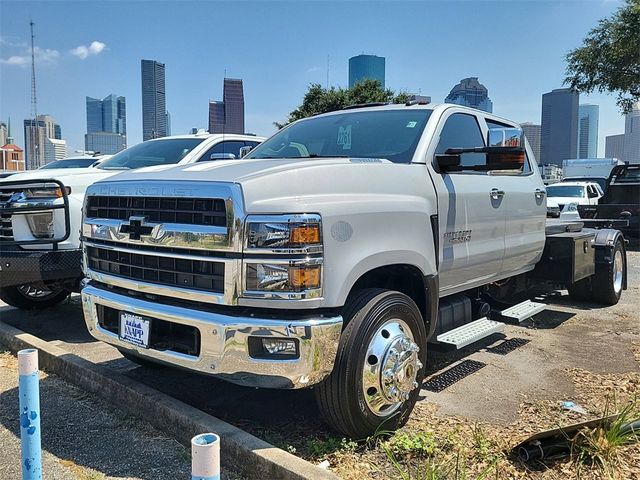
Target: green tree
(322, 100)
(609, 59)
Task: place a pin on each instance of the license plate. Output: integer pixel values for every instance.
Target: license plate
(135, 329)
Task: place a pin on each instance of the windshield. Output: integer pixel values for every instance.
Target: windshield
(388, 134)
(565, 191)
(154, 152)
(599, 180)
(70, 163)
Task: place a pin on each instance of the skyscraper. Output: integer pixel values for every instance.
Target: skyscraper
(154, 107)
(470, 93)
(106, 125)
(532, 132)
(54, 149)
(614, 146)
(35, 133)
(588, 131)
(559, 133)
(366, 67)
(632, 135)
(228, 116)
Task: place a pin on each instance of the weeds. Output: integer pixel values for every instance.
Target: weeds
(600, 446)
(421, 444)
(320, 448)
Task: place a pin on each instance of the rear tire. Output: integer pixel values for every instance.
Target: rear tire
(608, 281)
(28, 297)
(379, 365)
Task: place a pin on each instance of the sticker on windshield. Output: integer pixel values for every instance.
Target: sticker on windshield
(344, 137)
(412, 124)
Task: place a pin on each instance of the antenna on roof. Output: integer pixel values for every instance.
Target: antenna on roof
(35, 132)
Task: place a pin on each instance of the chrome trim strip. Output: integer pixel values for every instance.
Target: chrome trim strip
(224, 341)
(162, 290)
(152, 253)
(178, 235)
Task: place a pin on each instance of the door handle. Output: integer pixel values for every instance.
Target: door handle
(496, 194)
(540, 193)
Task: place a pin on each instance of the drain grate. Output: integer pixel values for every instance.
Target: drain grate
(453, 375)
(508, 346)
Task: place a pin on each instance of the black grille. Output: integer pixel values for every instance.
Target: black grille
(176, 272)
(6, 230)
(191, 211)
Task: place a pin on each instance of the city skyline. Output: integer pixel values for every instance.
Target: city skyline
(367, 67)
(106, 124)
(154, 101)
(65, 79)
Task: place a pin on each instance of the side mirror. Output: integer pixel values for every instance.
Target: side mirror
(222, 156)
(506, 149)
(244, 150)
(448, 162)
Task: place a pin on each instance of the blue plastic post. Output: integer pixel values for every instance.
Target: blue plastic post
(205, 457)
(29, 391)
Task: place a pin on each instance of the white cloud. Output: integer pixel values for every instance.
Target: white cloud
(84, 51)
(42, 55)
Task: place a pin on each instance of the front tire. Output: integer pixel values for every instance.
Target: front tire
(28, 297)
(375, 381)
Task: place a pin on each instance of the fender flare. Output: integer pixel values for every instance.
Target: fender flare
(603, 242)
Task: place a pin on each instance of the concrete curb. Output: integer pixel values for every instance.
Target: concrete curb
(240, 450)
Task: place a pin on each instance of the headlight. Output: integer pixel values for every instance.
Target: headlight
(286, 232)
(45, 192)
(275, 277)
(41, 224)
(267, 239)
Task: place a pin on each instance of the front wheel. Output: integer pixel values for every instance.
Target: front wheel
(29, 297)
(375, 381)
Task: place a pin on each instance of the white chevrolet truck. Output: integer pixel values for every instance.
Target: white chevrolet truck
(41, 211)
(333, 254)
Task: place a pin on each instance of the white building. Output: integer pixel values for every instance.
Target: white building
(632, 135)
(54, 149)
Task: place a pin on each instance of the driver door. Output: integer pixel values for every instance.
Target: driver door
(471, 211)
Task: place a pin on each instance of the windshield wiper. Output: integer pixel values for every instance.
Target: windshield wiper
(114, 168)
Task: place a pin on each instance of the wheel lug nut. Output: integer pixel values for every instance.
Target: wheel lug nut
(419, 365)
(415, 384)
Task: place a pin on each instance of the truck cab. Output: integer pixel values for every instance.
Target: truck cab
(325, 258)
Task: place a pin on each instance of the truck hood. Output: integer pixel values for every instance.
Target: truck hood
(76, 178)
(304, 185)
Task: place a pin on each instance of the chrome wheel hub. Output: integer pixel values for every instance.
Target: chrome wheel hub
(390, 368)
(618, 270)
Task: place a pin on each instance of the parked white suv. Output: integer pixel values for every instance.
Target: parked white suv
(40, 213)
(572, 193)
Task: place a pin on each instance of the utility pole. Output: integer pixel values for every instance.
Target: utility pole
(35, 131)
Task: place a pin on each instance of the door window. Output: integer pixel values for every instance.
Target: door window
(461, 130)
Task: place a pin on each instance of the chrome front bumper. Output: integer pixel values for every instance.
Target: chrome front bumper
(224, 341)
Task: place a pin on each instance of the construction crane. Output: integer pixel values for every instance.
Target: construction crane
(35, 130)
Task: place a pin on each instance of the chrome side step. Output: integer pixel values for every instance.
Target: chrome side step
(470, 333)
(522, 311)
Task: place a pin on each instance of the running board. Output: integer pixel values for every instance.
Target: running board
(470, 333)
(522, 311)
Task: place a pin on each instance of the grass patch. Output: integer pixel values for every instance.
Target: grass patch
(601, 446)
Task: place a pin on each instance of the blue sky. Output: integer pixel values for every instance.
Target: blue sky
(90, 48)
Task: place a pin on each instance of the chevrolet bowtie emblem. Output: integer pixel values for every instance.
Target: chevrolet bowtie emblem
(135, 228)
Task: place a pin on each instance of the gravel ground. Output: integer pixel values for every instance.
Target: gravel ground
(84, 438)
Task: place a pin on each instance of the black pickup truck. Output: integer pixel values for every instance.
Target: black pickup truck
(621, 200)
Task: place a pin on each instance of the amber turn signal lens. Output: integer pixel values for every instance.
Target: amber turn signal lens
(307, 234)
(304, 277)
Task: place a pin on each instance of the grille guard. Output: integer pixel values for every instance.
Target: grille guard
(23, 184)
